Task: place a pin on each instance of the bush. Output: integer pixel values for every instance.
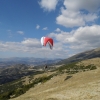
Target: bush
(93, 67)
(5, 96)
(41, 79)
(19, 91)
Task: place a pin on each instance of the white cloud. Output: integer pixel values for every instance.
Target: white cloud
(33, 46)
(25, 45)
(37, 26)
(88, 35)
(48, 5)
(81, 39)
(31, 42)
(58, 30)
(68, 21)
(73, 14)
(89, 5)
(45, 28)
(61, 37)
(20, 32)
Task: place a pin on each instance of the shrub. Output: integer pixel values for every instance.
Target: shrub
(5, 96)
(19, 91)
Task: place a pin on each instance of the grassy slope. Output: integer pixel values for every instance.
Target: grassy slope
(79, 86)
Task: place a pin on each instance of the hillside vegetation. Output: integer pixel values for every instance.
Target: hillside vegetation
(74, 80)
(83, 85)
(14, 72)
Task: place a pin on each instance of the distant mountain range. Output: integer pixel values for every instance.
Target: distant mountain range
(4, 62)
(82, 56)
(15, 68)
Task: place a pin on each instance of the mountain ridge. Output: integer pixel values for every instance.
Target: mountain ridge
(82, 56)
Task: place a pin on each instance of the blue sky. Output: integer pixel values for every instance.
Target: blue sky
(73, 24)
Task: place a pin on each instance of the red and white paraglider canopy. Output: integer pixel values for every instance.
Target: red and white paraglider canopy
(45, 40)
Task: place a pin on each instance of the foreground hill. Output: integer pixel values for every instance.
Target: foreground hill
(83, 56)
(84, 85)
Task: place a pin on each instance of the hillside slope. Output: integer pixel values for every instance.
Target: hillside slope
(79, 86)
(82, 56)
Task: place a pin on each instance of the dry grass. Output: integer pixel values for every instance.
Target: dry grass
(94, 61)
(81, 86)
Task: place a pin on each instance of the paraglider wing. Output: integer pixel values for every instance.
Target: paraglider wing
(42, 41)
(45, 40)
(49, 41)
